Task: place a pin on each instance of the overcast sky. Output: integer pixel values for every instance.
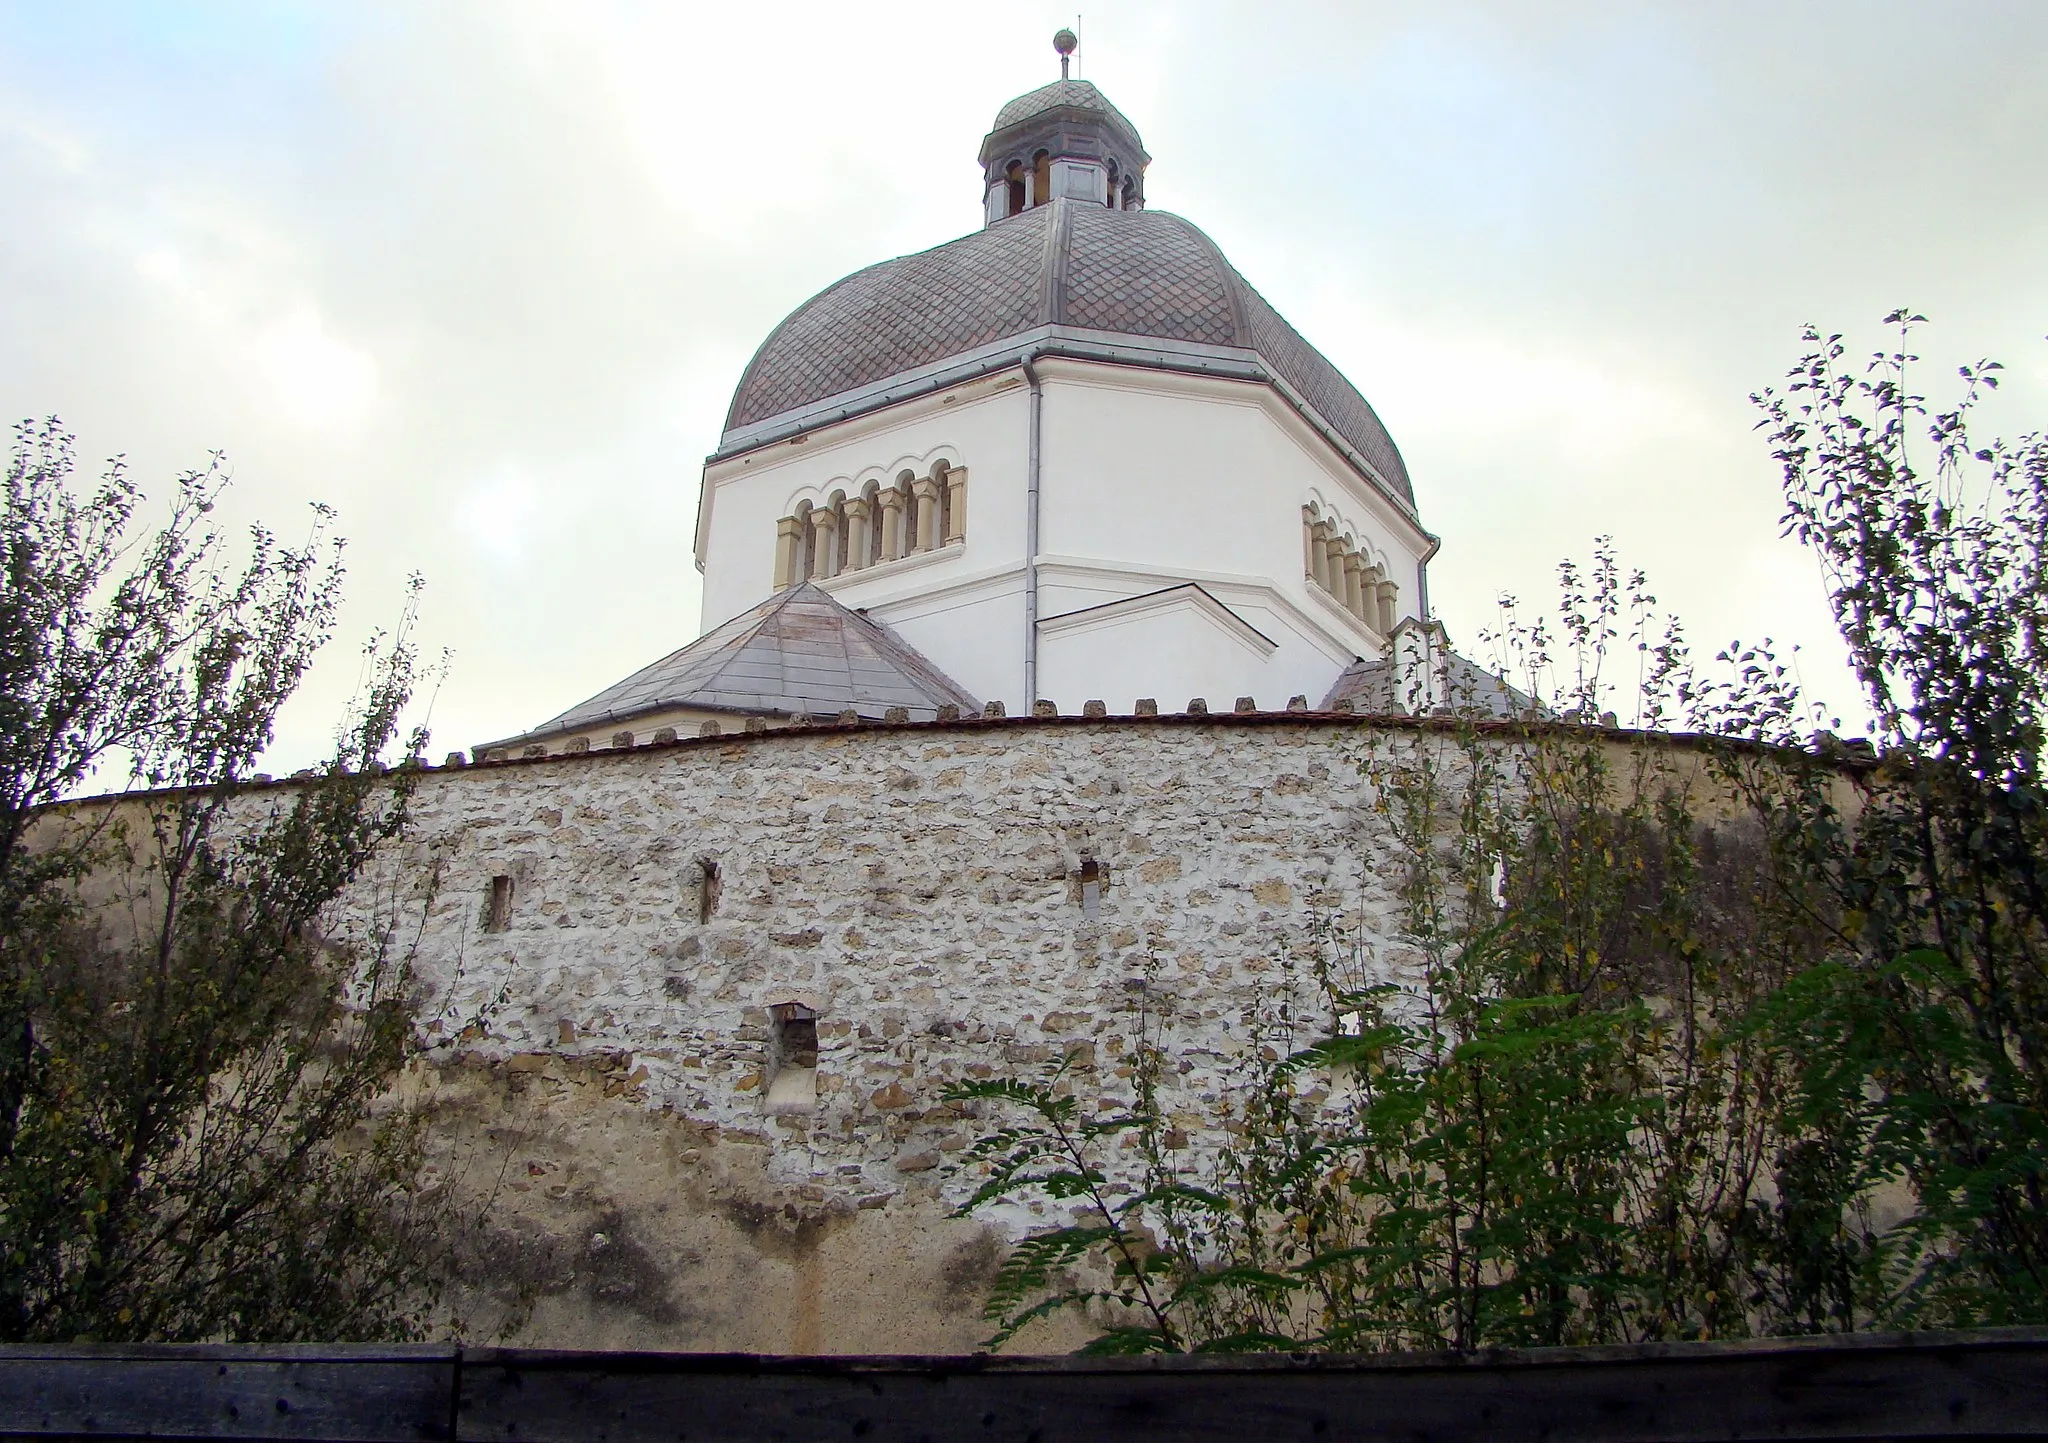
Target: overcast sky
(483, 275)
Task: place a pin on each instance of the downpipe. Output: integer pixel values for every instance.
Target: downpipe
(1031, 456)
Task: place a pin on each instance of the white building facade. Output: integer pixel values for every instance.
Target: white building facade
(1070, 457)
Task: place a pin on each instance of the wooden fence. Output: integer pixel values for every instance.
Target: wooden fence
(1921, 1386)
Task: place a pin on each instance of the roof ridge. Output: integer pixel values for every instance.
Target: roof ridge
(1225, 272)
(1059, 240)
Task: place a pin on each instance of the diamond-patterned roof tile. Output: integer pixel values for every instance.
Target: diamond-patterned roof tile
(1134, 273)
(1145, 273)
(1077, 93)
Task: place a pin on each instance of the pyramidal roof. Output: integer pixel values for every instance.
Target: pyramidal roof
(1375, 688)
(798, 652)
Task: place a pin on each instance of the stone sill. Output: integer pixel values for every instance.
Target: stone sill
(1337, 608)
(882, 570)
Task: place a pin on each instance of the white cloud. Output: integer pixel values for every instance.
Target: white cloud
(482, 273)
(496, 517)
(316, 379)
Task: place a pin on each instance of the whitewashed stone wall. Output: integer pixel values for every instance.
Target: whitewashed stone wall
(603, 1056)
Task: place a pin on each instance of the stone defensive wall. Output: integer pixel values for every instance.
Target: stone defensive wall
(692, 1006)
(695, 1005)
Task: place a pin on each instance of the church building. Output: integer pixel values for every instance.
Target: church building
(1071, 456)
(1060, 598)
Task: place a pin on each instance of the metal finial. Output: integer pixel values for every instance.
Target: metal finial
(1065, 42)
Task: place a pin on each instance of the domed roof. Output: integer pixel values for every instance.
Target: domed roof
(1079, 267)
(1078, 94)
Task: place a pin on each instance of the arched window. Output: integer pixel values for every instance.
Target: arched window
(1041, 177)
(881, 523)
(906, 541)
(943, 530)
(801, 569)
(1110, 190)
(1015, 178)
(872, 551)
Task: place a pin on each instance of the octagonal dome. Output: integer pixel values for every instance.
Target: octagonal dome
(1077, 94)
(1062, 272)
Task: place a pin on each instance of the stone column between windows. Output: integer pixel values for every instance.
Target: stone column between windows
(956, 505)
(1369, 596)
(1388, 596)
(824, 543)
(1354, 584)
(1319, 553)
(927, 513)
(858, 548)
(789, 538)
(892, 524)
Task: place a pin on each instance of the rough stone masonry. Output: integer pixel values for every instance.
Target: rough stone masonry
(626, 956)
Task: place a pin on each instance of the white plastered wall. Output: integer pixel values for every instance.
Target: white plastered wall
(1152, 479)
(960, 605)
(1149, 480)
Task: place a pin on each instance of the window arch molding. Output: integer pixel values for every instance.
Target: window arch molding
(1340, 559)
(914, 505)
(881, 474)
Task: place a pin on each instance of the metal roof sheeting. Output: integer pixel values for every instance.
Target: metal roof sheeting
(1373, 688)
(799, 652)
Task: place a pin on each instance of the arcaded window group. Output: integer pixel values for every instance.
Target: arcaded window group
(911, 515)
(1333, 561)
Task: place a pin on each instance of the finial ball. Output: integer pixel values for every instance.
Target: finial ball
(1065, 42)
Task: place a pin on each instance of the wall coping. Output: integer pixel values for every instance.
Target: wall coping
(1515, 728)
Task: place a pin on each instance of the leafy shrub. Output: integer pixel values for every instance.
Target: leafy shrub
(1747, 1035)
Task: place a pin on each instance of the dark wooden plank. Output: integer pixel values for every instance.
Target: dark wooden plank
(1980, 1386)
(362, 1395)
(1991, 1388)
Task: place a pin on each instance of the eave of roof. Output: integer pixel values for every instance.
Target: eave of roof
(1112, 348)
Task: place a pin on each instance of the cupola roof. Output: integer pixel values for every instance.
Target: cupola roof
(1069, 262)
(1058, 275)
(1060, 95)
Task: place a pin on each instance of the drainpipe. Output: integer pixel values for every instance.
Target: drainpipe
(1436, 544)
(1031, 536)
